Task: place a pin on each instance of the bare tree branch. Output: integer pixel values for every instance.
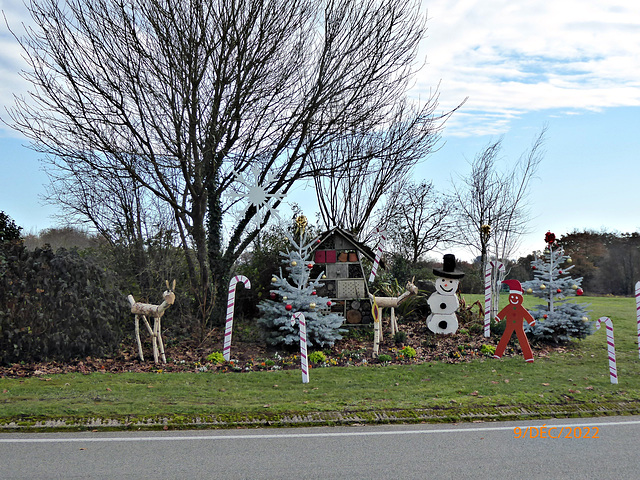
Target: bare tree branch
(420, 221)
(491, 209)
(366, 166)
(176, 97)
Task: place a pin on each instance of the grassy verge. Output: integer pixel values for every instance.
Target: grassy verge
(574, 381)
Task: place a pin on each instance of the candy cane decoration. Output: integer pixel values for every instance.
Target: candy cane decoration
(638, 313)
(613, 371)
(487, 300)
(498, 265)
(376, 261)
(226, 351)
(304, 362)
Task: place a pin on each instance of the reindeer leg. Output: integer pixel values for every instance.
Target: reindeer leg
(394, 325)
(164, 358)
(138, 341)
(153, 337)
(376, 337)
(146, 324)
(155, 340)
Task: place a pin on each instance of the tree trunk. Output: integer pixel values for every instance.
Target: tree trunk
(218, 265)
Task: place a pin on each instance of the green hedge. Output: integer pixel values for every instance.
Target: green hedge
(57, 306)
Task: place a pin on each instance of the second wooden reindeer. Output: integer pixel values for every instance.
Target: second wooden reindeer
(391, 302)
(145, 310)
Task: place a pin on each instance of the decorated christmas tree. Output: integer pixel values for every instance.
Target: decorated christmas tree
(298, 294)
(559, 320)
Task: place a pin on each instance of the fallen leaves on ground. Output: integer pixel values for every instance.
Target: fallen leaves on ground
(251, 355)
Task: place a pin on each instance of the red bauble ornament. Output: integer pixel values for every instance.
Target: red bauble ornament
(533, 267)
(313, 293)
(310, 265)
(549, 237)
(288, 307)
(579, 292)
(559, 290)
(272, 295)
(560, 272)
(329, 303)
(545, 316)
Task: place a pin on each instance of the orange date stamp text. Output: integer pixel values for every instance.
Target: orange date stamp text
(556, 432)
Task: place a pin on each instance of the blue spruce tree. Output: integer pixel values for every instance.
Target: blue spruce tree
(558, 321)
(298, 294)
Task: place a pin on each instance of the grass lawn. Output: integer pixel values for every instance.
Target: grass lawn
(571, 382)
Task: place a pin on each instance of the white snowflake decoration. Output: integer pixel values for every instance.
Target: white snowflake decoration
(257, 195)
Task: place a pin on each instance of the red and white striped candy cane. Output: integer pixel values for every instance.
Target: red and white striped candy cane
(376, 261)
(487, 300)
(498, 265)
(304, 362)
(613, 371)
(638, 313)
(226, 351)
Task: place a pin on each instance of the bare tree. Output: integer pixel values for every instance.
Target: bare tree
(491, 206)
(381, 160)
(178, 97)
(421, 220)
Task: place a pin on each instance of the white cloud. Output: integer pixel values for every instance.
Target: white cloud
(12, 62)
(514, 57)
(508, 57)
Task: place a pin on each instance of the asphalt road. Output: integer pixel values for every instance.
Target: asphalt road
(477, 450)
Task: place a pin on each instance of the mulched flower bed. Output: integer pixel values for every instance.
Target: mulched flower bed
(353, 350)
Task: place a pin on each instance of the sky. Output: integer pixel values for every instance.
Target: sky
(572, 66)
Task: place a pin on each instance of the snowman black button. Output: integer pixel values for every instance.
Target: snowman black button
(443, 305)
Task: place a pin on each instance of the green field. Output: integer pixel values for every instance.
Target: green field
(573, 381)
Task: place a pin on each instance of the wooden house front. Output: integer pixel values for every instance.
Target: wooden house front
(340, 256)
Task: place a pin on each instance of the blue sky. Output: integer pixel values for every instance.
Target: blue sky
(571, 65)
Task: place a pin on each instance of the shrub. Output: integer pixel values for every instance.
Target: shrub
(57, 306)
(488, 350)
(400, 337)
(498, 328)
(384, 358)
(216, 358)
(317, 357)
(408, 352)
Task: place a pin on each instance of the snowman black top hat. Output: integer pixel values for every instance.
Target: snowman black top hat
(449, 268)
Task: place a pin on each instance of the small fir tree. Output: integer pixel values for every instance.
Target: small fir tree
(298, 295)
(558, 321)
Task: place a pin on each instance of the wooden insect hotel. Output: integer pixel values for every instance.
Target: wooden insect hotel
(340, 256)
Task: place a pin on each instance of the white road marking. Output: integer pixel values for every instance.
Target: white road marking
(301, 435)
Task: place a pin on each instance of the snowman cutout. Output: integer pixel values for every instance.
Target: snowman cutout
(444, 301)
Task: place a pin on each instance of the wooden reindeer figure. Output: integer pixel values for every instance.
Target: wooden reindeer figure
(156, 312)
(393, 302)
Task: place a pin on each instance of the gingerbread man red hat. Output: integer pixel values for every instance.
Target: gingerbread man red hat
(514, 286)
